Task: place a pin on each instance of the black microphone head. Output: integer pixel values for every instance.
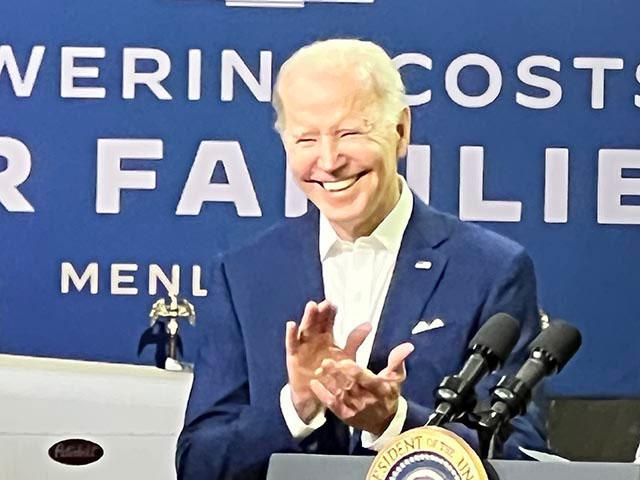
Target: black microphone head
(559, 340)
(499, 335)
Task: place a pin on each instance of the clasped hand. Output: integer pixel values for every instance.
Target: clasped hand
(322, 375)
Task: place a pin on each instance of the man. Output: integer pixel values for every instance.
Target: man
(392, 290)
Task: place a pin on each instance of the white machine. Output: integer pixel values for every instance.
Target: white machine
(128, 415)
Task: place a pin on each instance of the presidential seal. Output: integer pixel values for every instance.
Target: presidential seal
(427, 453)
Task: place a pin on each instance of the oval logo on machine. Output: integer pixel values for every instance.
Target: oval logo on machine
(76, 451)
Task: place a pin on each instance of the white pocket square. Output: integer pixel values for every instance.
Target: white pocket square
(424, 326)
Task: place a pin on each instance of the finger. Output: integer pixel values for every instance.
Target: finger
(351, 402)
(395, 363)
(331, 401)
(325, 306)
(328, 364)
(327, 315)
(356, 338)
(325, 368)
(364, 381)
(349, 370)
(356, 398)
(375, 384)
(330, 377)
(343, 382)
(324, 395)
(291, 338)
(310, 312)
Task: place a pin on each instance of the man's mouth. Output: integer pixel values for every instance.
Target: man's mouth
(340, 185)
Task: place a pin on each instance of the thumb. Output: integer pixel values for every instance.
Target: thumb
(395, 363)
(356, 338)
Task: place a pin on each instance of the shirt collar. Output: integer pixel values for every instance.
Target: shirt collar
(389, 233)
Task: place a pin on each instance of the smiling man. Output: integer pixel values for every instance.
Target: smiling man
(343, 130)
(388, 290)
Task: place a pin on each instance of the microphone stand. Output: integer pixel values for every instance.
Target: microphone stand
(491, 438)
(451, 398)
(508, 400)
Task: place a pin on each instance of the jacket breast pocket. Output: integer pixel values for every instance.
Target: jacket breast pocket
(439, 351)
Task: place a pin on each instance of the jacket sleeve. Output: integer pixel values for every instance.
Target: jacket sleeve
(226, 436)
(514, 292)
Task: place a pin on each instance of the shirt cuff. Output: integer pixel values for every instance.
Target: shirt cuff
(373, 442)
(299, 430)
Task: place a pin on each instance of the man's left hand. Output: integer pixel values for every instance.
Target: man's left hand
(357, 396)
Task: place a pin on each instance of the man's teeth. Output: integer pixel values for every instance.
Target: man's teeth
(340, 184)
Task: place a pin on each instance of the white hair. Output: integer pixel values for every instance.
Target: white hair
(370, 62)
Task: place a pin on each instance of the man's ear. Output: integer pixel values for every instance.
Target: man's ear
(403, 129)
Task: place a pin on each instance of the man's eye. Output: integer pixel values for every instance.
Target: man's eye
(305, 141)
(349, 133)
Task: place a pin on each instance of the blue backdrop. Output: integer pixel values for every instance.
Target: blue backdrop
(587, 267)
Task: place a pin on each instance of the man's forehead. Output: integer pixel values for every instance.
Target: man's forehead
(311, 115)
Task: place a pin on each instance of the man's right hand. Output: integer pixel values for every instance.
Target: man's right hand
(307, 345)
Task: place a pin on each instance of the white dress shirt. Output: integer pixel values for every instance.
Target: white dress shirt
(356, 278)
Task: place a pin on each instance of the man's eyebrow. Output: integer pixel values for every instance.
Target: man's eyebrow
(299, 128)
(356, 123)
(302, 133)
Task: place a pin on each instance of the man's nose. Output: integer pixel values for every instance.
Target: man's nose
(329, 158)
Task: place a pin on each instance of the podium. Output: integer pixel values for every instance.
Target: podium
(326, 467)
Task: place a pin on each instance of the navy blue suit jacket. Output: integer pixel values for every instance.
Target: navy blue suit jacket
(234, 422)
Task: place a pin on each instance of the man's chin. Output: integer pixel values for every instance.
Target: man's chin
(343, 216)
(344, 213)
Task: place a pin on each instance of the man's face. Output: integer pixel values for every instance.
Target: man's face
(340, 149)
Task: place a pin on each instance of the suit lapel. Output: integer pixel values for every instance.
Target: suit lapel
(408, 294)
(410, 288)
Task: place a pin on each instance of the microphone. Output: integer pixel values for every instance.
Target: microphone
(489, 348)
(549, 352)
